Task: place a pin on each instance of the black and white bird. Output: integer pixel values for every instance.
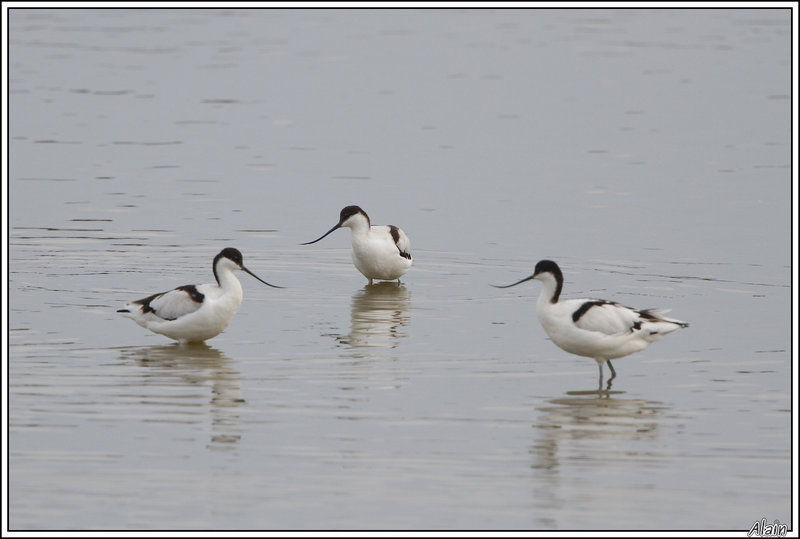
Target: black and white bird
(595, 328)
(194, 313)
(381, 252)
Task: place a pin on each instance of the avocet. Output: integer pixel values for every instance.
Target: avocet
(381, 252)
(595, 328)
(194, 313)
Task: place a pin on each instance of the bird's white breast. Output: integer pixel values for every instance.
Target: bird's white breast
(376, 255)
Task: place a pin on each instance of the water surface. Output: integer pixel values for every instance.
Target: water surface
(646, 151)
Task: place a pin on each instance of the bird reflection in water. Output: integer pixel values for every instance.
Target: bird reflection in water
(194, 365)
(378, 316)
(593, 416)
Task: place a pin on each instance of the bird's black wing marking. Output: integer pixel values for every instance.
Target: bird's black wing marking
(193, 292)
(396, 237)
(172, 311)
(586, 306)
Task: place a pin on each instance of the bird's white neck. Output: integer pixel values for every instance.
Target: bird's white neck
(358, 224)
(228, 282)
(551, 288)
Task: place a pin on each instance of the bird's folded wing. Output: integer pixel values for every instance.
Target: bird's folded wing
(606, 317)
(173, 304)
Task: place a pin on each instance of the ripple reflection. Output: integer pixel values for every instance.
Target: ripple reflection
(196, 365)
(378, 316)
(581, 425)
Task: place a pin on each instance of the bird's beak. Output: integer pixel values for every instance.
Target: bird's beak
(338, 225)
(259, 278)
(515, 284)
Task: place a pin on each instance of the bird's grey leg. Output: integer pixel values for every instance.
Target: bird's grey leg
(613, 374)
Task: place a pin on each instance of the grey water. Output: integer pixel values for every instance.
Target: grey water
(648, 152)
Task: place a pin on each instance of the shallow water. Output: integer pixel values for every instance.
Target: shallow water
(648, 152)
